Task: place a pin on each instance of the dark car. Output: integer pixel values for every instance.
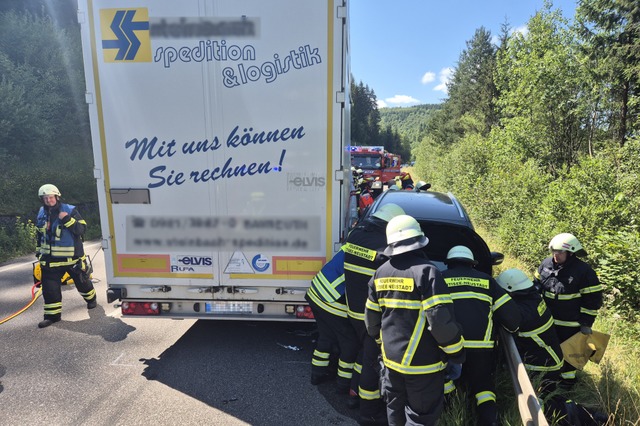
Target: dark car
(444, 221)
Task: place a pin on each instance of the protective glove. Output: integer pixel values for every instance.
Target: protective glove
(452, 371)
(585, 329)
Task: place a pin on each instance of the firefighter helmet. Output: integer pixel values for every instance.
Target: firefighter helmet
(567, 242)
(404, 234)
(48, 189)
(514, 280)
(462, 254)
(388, 212)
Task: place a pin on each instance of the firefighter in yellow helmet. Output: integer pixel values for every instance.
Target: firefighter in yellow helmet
(410, 311)
(479, 302)
(539, 348)
(59, 249)
(571, 290)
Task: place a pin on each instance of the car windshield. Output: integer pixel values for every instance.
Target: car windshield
(366, 162)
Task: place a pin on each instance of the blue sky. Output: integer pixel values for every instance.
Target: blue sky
(405, 49)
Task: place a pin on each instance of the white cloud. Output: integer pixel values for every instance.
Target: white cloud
(428, 77)
(381, 103)
(401, 100)
(524, 30)
(444, 77)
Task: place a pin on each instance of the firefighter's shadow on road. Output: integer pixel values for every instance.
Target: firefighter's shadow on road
(99, 324)
(257, 372)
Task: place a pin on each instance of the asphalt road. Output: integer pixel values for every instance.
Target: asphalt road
(97, 368)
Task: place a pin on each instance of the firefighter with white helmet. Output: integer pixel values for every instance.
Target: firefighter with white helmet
(59, 249)
(571, 290)
(479, 301)
(410, 311)
(362, 257)
(539, 347)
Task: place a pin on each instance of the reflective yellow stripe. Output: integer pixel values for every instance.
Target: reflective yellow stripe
(485, 396)
(567, 323)
(568, 375)
(566, 296)
(359, 269)
(471, 295)
(345, 374)
(588, 311)
(53, 308)
(592, 289)
(357, 367)
(319, 363)
(501, 301)
(449, 387)
(413, 369)
(479, 344)
(538, 330)
(367, 394)
(400, 303)
(70, 223)
(346, 365)
(323, 355)
(327, 289)
(334, 308)
(454, 347)
(436, 300)
(414, 340)
(355, 315)
(62, 251)
(373, 306)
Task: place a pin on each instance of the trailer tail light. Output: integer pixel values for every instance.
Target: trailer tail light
(304, 311)
(140, 308)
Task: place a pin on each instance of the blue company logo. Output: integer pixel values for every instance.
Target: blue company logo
(260, 263)
(125, 35)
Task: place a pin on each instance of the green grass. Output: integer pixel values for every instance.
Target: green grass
(613, 386)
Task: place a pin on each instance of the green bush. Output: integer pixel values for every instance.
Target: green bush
(17, 240)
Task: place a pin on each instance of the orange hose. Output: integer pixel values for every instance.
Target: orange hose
(34, 295)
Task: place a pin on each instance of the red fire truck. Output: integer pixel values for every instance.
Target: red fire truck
(376, 162)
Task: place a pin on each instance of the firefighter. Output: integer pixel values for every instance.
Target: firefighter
(479, 301)
(360, 262)
(59, 249)
(406, 181)
(571, 290)
(327, 301)
(411, 312)
(539, 347)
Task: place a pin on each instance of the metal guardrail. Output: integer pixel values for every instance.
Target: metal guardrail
(528, 404)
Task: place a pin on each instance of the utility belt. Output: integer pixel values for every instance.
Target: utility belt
(82, 265)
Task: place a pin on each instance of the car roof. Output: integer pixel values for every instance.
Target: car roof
(427, 205)
(443, 220)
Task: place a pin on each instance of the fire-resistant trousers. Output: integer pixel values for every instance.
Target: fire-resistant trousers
(413, 399)
(333, 331)
(52, 288)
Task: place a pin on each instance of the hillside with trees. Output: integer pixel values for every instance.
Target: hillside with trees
(540, 135)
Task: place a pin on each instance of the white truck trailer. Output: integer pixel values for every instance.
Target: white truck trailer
(220, 133)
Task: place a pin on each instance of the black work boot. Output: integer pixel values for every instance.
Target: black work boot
(92, 304)
(48, 321)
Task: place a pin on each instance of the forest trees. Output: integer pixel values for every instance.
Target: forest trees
(44, 134)
(365, 123)
(553, 147)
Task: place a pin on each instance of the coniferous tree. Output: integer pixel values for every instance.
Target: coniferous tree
(611, 33)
